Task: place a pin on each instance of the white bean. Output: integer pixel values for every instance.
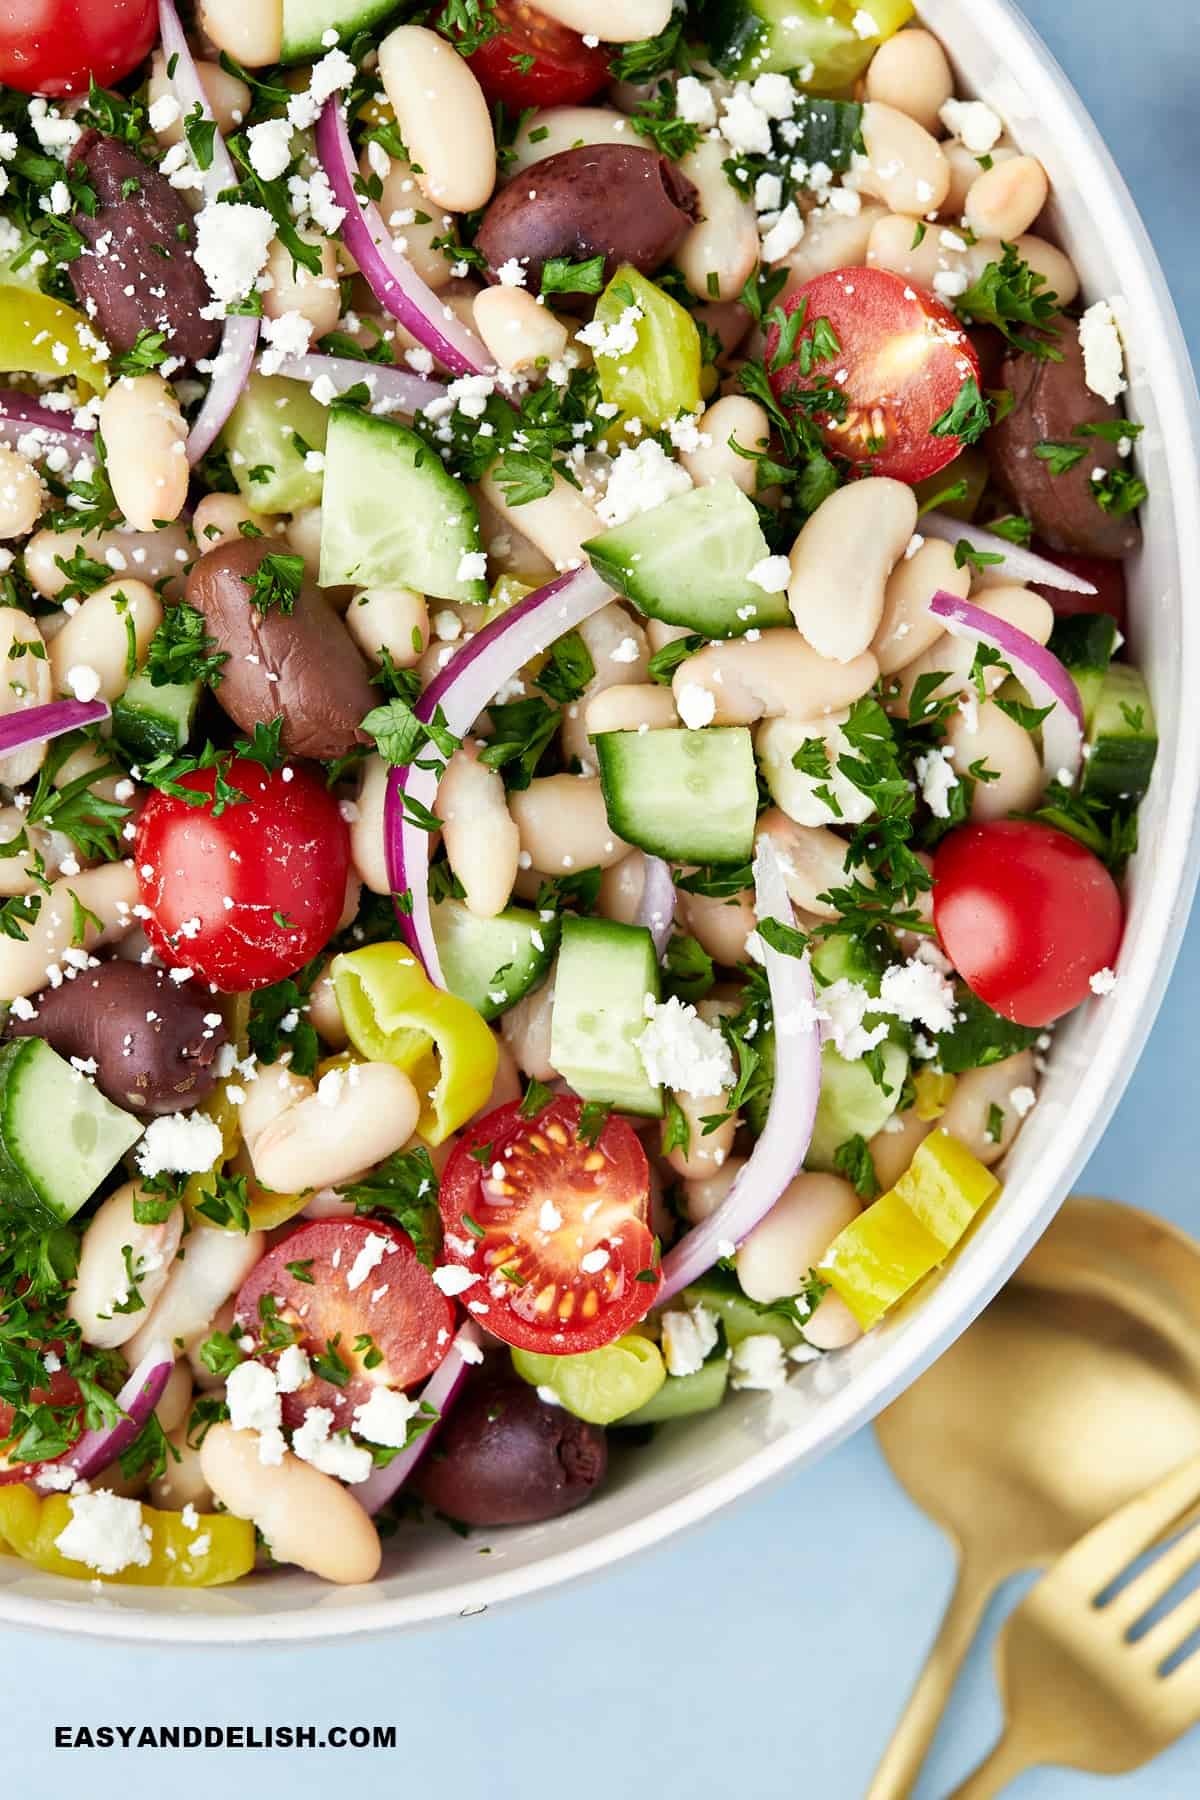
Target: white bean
(706, 1151)
(111, 631)
(250, 31)
(506, 1087)
(366, 829)
(413, 223)
(1007, 198)
(182, 1482)
(621, 886)
(812, 858)
(295, 289)
(719, 926)
(616, 21)
(89, 759)
(325, 1014)
(907, 627)
(27, 682)
(525, 1028)
(910, 73)
(720, 251)
(428, 84)
(218, 519)
(832, 1325)
(271, 1091)
(774, 1262)
(216, 1264)
(841, 561)
(776, 674)
(17, 870)
(893, 1151)
(109, 893)
(558, 525)
(955, 656)
(988, 735)
(119, 1260)
(964, 173)
(801, 796)
(175, 1401)
(303, 534)
(832, 240)
(146, 439)
(641, 706)
(520, 332)
(394, 619)
(370, 1110)
(22, 495)
(620, 655)
(737, 417)
(152, 556)
(940, 256)
(702, 1197)
(564, 825)
(905, 166)
(1047, 259)
(482, 842)
(307, 1518)
(969, 1116)
(553, 129)
(228, 97)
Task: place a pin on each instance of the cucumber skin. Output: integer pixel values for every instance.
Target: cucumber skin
(682, 848)
(589, 938)
(344, 16)
(145, 732)
(1122, 760)
(15, 1185)
(772, 609)
(539, 966)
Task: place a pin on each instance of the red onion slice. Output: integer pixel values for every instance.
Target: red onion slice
(656, 908)
(1039, 671)
(37, 724)
(97, 1449)
(439, 1392)
(21, 416)
(462, 689)
(402, 391)
(780, 1151)
(390, 276)
(1019, 563)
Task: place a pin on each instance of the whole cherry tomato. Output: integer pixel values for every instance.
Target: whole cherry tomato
(535, 61)
(56, 46)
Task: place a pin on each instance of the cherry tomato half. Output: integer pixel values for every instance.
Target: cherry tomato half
(246, 895)
(555, 1226)
(54, 46)
(366, 1283)
(1026, 914)
(535, 61)
(901, 360)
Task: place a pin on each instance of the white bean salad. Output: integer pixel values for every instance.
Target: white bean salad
(568, 738)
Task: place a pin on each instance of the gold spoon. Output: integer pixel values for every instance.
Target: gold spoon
(1077, 1388)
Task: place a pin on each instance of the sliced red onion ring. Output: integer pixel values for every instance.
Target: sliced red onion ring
(97, 1449)
(439, 1392)
(1021, 564)
(239, 336)
(21, 415)
(390, 276)
(1039, 671)
(780, 1151)
(403, 391)
(38, 723)
(656, 908)
(462, 690)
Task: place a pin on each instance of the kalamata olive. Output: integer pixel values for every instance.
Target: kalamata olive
(626, 204)
(302, 665)
(149, 1037)
(138, 272)
(1050, 399)
(505, 1457)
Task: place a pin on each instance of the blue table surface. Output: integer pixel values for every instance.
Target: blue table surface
(768, 1654)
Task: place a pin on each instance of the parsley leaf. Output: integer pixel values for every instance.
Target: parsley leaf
(181, 649)
(277, 581)
(562, 276)
(967, 419)
(853, 1160)
(1008, 295)
(406, 1187)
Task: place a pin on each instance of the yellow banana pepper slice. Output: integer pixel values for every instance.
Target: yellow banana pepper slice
(933, 1093)
(217, 1549)
(41, 336)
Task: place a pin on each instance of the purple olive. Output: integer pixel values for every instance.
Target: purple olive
(505, 1457)
(138, 272)
(612, 200)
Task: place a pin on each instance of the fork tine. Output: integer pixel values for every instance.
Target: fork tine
(1097, 1559)
(1146, 1589)
(1166, 1636)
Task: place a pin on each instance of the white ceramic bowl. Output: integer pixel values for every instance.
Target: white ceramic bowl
(699, 1466)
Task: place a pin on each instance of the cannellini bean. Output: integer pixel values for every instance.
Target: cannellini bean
(427, 84)
(175, 1401)
(295, 289)
(620, 655)
(643, 706)
(152, 556)
(702, 1197)
(27, 682)
(812, 858)
(17, 871)
(721, 249)
(720, 927)
(737, 417)
(907, 627)
(775, 1260)
(558, 525)
(616, 21)
(325, 1014)
(553, 129)
(218, 519)
(228, 97)
(109, 893)
(146, 440)
(216, 1264)
(564, 825)
(987, 735)
(414, 223)
(520, 332)
(893, 1150)
(968, 1115)
(506, 1087)
(482, 842)
(1007, 198)
(621, 886)
(911, 74)
(832, 1325)
(841, 561)
(181, 1483)
(509, 550)
(955, 656)
(102, 644)
(525, 1028)
(775, 674)
(307, 1518)
(964, 172)
(356, 1117)
(121, 1259)
(706, 1151)
(832, 240)
(303, 534)
(659, 634)
(1048, 260)
(777, 742)
(940, 260)
(905, 166)
(222, 1320)
(89, 759)
(366, 828)
(22, 495)
(248, 30)
(394, 619)
(269, 1093)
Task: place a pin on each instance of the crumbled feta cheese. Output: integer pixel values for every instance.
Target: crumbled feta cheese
(178, 1144)
(231, 247)
(384, 1417)
(642, 477)
(918, 993)
(369, 1257)
(844, 1005)
(164, 113)
(948, 284)
(511, 274)
(865, 25)
(757, 1362)
(293, 1370)
(270, 147)
(288, 335)
(105, 1532)
(627, 651)
(83, 681)
(974, 124)
(1103, 353)
(618, 339)
(681, 1052)
(697, 706)
(768, 193)
(337, 1456)
(694, 101)
(687, 1338)
(937, 779)
(772, 574)
(1102, 982)
(453, 1279)
(745, 125)
(784, 234)
(253, 1400)
(472, 566)
(1022, 1100)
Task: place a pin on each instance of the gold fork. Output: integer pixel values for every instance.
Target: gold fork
(1077, 1691)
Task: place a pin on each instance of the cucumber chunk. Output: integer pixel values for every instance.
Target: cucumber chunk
(391, 515)
(491, 963)
(1122, 739)
(680, 1396)
(687, 561)
(261, 436)
(819, 37)
(718, 1290)
(689, 796)
(149, 721)
(1084, 643)
(852, 1102)
(605, 973)
(59, 1136)
(305, 23)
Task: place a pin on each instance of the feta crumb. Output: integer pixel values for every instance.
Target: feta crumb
(1022, 1100)
(253, 1400)
(679, 1050)
(179, 1144)
(745, 125)
(83, 681)
(697, 706)
(105, 1532)
(384, 1417)
(757, 1362)
(694, 101)
(973, 123)
(687, 1338)
(270, 147)
(865, 26)
(164, 113)
(783, 235)
(642, 477)
(937, 779)
(293, 1370)
(772, 574)
(1102, 982)
(453, 1279)
(231, 247)
(337, 1456)
(369, 1257)
(1103, 354)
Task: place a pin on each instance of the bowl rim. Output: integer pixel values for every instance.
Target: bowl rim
(1169, 374)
